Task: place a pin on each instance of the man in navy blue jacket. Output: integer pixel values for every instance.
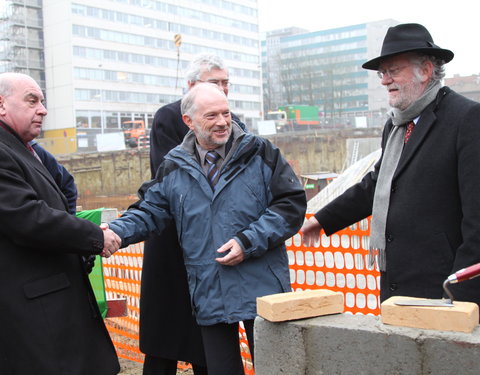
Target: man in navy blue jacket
(231, 216)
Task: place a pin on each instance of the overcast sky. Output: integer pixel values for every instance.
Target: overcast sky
(454, 25)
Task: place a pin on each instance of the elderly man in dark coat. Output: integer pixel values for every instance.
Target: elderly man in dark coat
(51, 324)
(423, 194)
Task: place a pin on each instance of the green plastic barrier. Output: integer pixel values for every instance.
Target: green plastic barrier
(96, 276)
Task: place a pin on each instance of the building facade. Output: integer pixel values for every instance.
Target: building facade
(323, 69)
(468, 86)
(112, 62)
(21, 38)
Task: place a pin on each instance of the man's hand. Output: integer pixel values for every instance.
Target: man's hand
(310, 231)
(235, 255)
(111, 241)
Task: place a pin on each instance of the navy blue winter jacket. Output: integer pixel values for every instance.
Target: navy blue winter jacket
(258, 200)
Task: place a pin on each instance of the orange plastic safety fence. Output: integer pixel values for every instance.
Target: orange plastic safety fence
(122, 274)
(337, 263)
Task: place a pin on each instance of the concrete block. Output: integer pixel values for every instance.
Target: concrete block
(279, 348)
(462, 317)
(361, 345)
(299, 305)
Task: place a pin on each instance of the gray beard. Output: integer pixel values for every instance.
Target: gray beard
(414, 110)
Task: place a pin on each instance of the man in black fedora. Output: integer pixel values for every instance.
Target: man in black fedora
(423, 194)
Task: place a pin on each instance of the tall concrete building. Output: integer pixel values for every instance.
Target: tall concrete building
(468, 86)
(110, 62)
(21, 38)
(323, 69)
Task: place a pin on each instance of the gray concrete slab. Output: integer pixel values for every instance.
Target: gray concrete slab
(361, 345)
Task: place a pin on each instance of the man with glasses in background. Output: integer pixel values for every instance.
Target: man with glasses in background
(168, 330)
(423, 193)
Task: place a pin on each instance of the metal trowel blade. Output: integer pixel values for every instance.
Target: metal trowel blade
(424, 302)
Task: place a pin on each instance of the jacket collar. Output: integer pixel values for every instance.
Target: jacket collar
(188, 144)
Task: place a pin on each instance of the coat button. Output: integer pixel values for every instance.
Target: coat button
(394, 189)
(393, 287)
(389, 238)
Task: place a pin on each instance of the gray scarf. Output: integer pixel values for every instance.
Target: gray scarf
(391, 156)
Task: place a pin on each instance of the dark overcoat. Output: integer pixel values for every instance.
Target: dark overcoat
(433, 223)
(51, 324)
(168, 328)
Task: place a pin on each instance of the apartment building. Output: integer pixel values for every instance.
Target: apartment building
(468, 86)
(323, 68)
(110, 62)
(21, 38)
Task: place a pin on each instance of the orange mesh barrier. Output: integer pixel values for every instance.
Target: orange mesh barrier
(337, 263)
(122, 274)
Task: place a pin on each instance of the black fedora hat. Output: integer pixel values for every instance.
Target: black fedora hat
(408, 37)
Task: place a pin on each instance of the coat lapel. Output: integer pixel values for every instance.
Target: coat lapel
(422, 128)
(19, 149)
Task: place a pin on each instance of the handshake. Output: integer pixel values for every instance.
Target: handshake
(111, 241)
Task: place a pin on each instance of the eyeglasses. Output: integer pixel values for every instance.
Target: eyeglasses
(222, 83)
(392, 72)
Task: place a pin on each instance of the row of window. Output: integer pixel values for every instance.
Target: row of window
(322, 37)
(325, 77)
(161, 5)
(358, 103)
(127, 57)
(156, 61)
(145, 79)
(147, 41)
(244, 105)
(110, 120)
(147, 98)
(132, 19)
(334, 53)
(91, 119)
(233, 7)
(345, 69)
(123, 96)
(327, 89)
(111, 75)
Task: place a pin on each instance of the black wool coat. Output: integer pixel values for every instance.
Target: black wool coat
(168, 328)
(433, 222)
(51, 324)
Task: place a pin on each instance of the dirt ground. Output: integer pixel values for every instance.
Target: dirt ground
(135, 368)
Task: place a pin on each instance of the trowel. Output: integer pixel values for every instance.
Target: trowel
(459, 276)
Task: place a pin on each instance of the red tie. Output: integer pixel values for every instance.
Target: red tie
(408, 132)
(30, 148)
